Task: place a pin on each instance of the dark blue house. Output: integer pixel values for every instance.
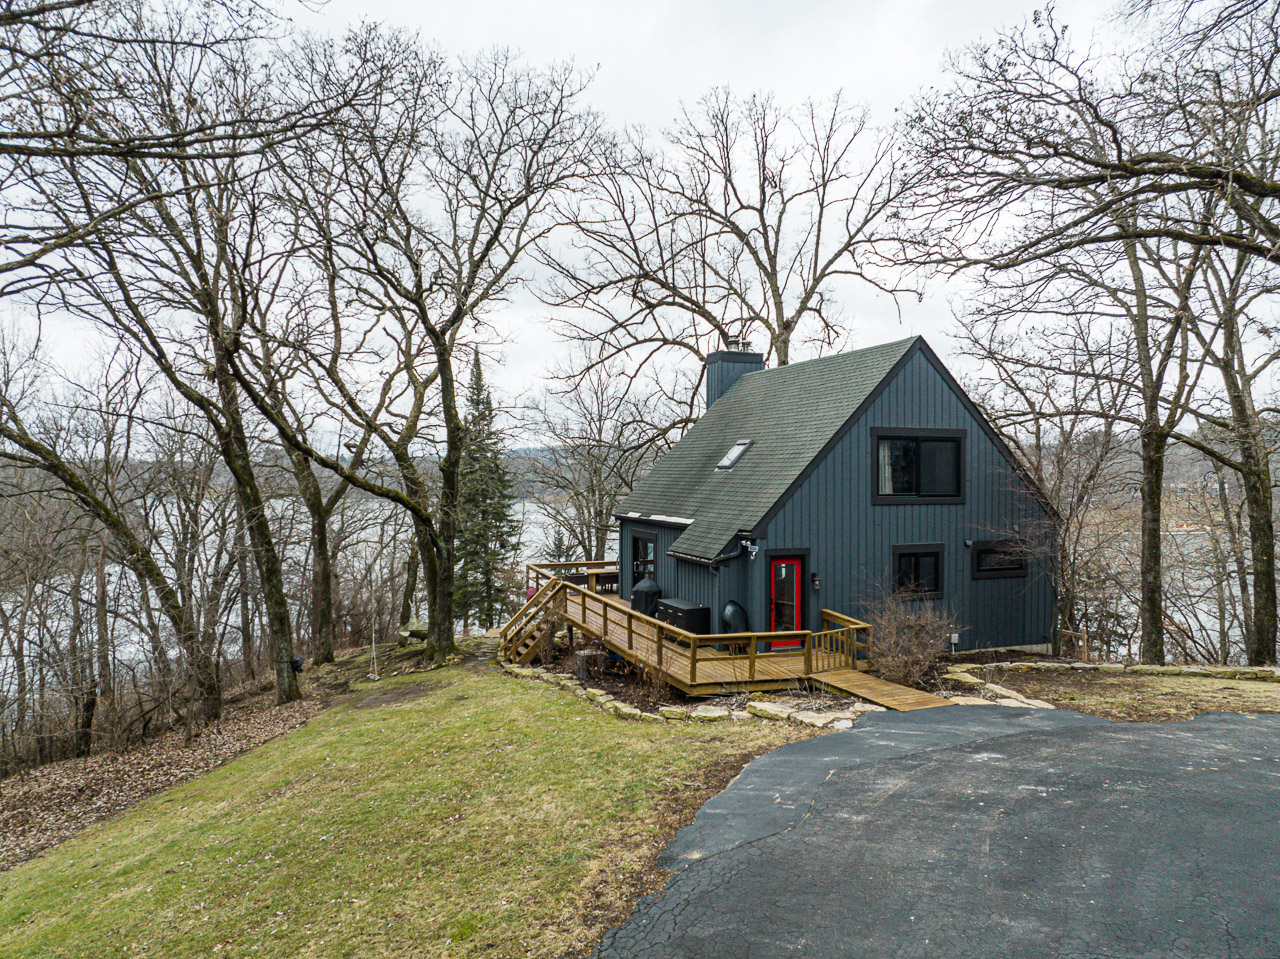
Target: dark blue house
(833, 483)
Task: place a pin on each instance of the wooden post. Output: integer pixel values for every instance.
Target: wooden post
(693, 660)
(1084, 641)
(808, 653)
(630, 631)
(657, 635)
(751, 660)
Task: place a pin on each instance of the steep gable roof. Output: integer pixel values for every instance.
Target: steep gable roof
(789, 414)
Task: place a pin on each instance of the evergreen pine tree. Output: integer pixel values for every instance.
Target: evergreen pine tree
(488, 526)
(560, 550)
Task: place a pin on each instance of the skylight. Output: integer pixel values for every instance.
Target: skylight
(734, 454)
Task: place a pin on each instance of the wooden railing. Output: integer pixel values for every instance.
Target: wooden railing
(526, 615)
(595, 575)
(688, 658)
(842, 640)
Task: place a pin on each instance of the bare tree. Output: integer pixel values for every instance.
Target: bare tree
(597, 435)
(1021, 141)
(746, 220)
(420, 214)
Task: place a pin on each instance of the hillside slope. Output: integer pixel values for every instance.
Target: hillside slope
(454, 813)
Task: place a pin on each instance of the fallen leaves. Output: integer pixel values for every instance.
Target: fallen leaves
(50, 804)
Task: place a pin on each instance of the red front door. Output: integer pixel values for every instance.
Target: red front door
(784, 598)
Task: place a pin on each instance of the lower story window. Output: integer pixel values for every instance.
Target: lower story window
(917, 570)
(999, 559)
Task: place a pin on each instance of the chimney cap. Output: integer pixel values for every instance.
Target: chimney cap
(737, 344)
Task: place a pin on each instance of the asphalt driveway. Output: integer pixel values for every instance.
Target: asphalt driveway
(980, 833)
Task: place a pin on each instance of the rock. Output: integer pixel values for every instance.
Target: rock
(1021, 667)
(595, 693)
(1195, 671)
(739, 714)
(1221, 672)
(1145, 670)
(817, 720)
(651, 718)
(1055, 667)
(842, 724)
(709, 714)
(1002, 692)
(1084, 665)
(1011, 702)
(769, 711)
(871, 708)
(1039, 704)
(673, 712)
(850, 714)
(971, 701)
(962, 667)
(623, 711)
(1110, 667)
(964, 679)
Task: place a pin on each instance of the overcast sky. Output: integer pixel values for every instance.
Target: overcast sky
(649, 57)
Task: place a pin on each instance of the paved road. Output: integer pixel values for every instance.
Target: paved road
(979, 832)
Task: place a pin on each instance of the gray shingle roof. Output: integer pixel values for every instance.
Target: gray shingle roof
(790, 413)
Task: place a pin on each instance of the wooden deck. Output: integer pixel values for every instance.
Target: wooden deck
(836, 656)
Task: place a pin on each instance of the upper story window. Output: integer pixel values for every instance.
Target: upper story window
(919, 466)
(734, 454)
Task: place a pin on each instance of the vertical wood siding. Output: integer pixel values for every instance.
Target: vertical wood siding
(677, 578)
(851, 540)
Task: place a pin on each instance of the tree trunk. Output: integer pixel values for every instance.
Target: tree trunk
(321, 590)
(105, 682)
(234, 447)
(84, 699)
(410, 588)
(1151, 589)
(1261, 640)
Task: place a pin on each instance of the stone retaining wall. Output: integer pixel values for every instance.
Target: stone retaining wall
(1267, 674)
(706, 713)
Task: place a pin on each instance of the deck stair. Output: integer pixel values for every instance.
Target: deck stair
(525, 633)
(836, 656)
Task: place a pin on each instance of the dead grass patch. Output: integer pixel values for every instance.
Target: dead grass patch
(1131, 698)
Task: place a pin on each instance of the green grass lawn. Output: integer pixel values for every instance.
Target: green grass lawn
(480, 815)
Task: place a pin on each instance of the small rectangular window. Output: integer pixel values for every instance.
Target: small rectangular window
(917, 571)
(734, 454)
(999, 559)
(921, 466)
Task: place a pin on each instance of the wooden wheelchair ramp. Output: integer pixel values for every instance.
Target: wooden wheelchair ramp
(879, 691)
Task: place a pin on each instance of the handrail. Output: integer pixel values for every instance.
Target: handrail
(840, 619)
(822, 650)
(514, 624)
(589, 568)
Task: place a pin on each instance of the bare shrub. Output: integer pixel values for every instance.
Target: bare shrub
(908, 635)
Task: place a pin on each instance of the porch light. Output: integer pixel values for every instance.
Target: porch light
(815, 580)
